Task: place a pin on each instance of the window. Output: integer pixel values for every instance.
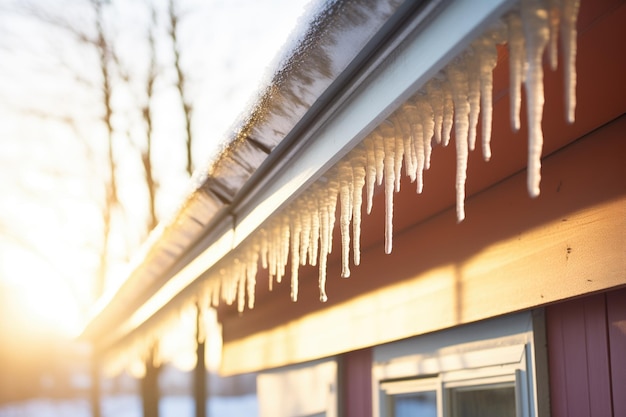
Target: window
(416, 397)
(480, 370)
(496, 400)
(307, 390)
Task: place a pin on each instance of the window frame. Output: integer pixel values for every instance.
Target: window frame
(500, 350)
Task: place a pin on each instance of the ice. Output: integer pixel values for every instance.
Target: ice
(398, 154)
(379, 155)
(427, 115)
(411, 114)
(448, 113)
(455, 97)
(325, 234)
(346, 187)
(296, 232)
(472, 69)
(459, 83)
(239, 271)
(314, 212)
(252, 262)
(569, 35)
(517, 65)
(370, 170)
(387, 133)
(302, 207)
(435, 92)
(358, 160)
(485, 48)
(403, 131)
(554, 18)
(537, 34)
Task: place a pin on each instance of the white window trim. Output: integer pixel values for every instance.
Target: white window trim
(490, 352)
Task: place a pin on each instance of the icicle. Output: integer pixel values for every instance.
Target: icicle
(448, 113)
(333, 193)
(325, 232)
(314, 210)
(554, 18)
(370, 178)
(241, 284)
(296, 231)
(379, 154)
(323, 250)
(537, 34)
(264, 248)
(418, 142)
(215, 293)
(472, 67)
(569, 35)
(427, 117)
(410, 117)
(398, 155)
(517, 65)
(387, 132)
(459, 83)
(305, 221)
(403, 130)
(412, 114)
(284, 243)
(358, 161)
(251, 271)
(435, 97)
(346, 185)
(303, 232)
(274, 235)
(228, 290)
(485, 47)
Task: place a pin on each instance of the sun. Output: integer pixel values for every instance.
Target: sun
(45, 301)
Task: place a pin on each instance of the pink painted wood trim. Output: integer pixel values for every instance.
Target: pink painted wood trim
(556, 360)
(357, 383)
(598, 365)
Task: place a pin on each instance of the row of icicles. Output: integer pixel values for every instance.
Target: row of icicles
(455, 97)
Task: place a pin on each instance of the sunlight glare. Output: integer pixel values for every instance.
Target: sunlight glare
(47, 303)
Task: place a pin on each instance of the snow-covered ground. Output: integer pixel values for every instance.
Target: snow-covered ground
(130, 406)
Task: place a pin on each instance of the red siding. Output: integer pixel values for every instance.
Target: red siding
(616, 311)
(356, 374)
(587, 356)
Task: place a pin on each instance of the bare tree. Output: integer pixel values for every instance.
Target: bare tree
(107, 77)
(146, 153)
(104, 50)
(181, 80)
(97, 41)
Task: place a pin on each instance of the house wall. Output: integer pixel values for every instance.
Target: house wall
(586, 347)
(511, 253)
(587, 355)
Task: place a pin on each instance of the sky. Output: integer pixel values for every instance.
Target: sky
(51, 170)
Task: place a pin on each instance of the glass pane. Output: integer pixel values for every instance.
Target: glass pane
(483, 402)
(415, 404)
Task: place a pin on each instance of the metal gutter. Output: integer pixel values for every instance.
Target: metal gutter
(324, 135)
(303, 77)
